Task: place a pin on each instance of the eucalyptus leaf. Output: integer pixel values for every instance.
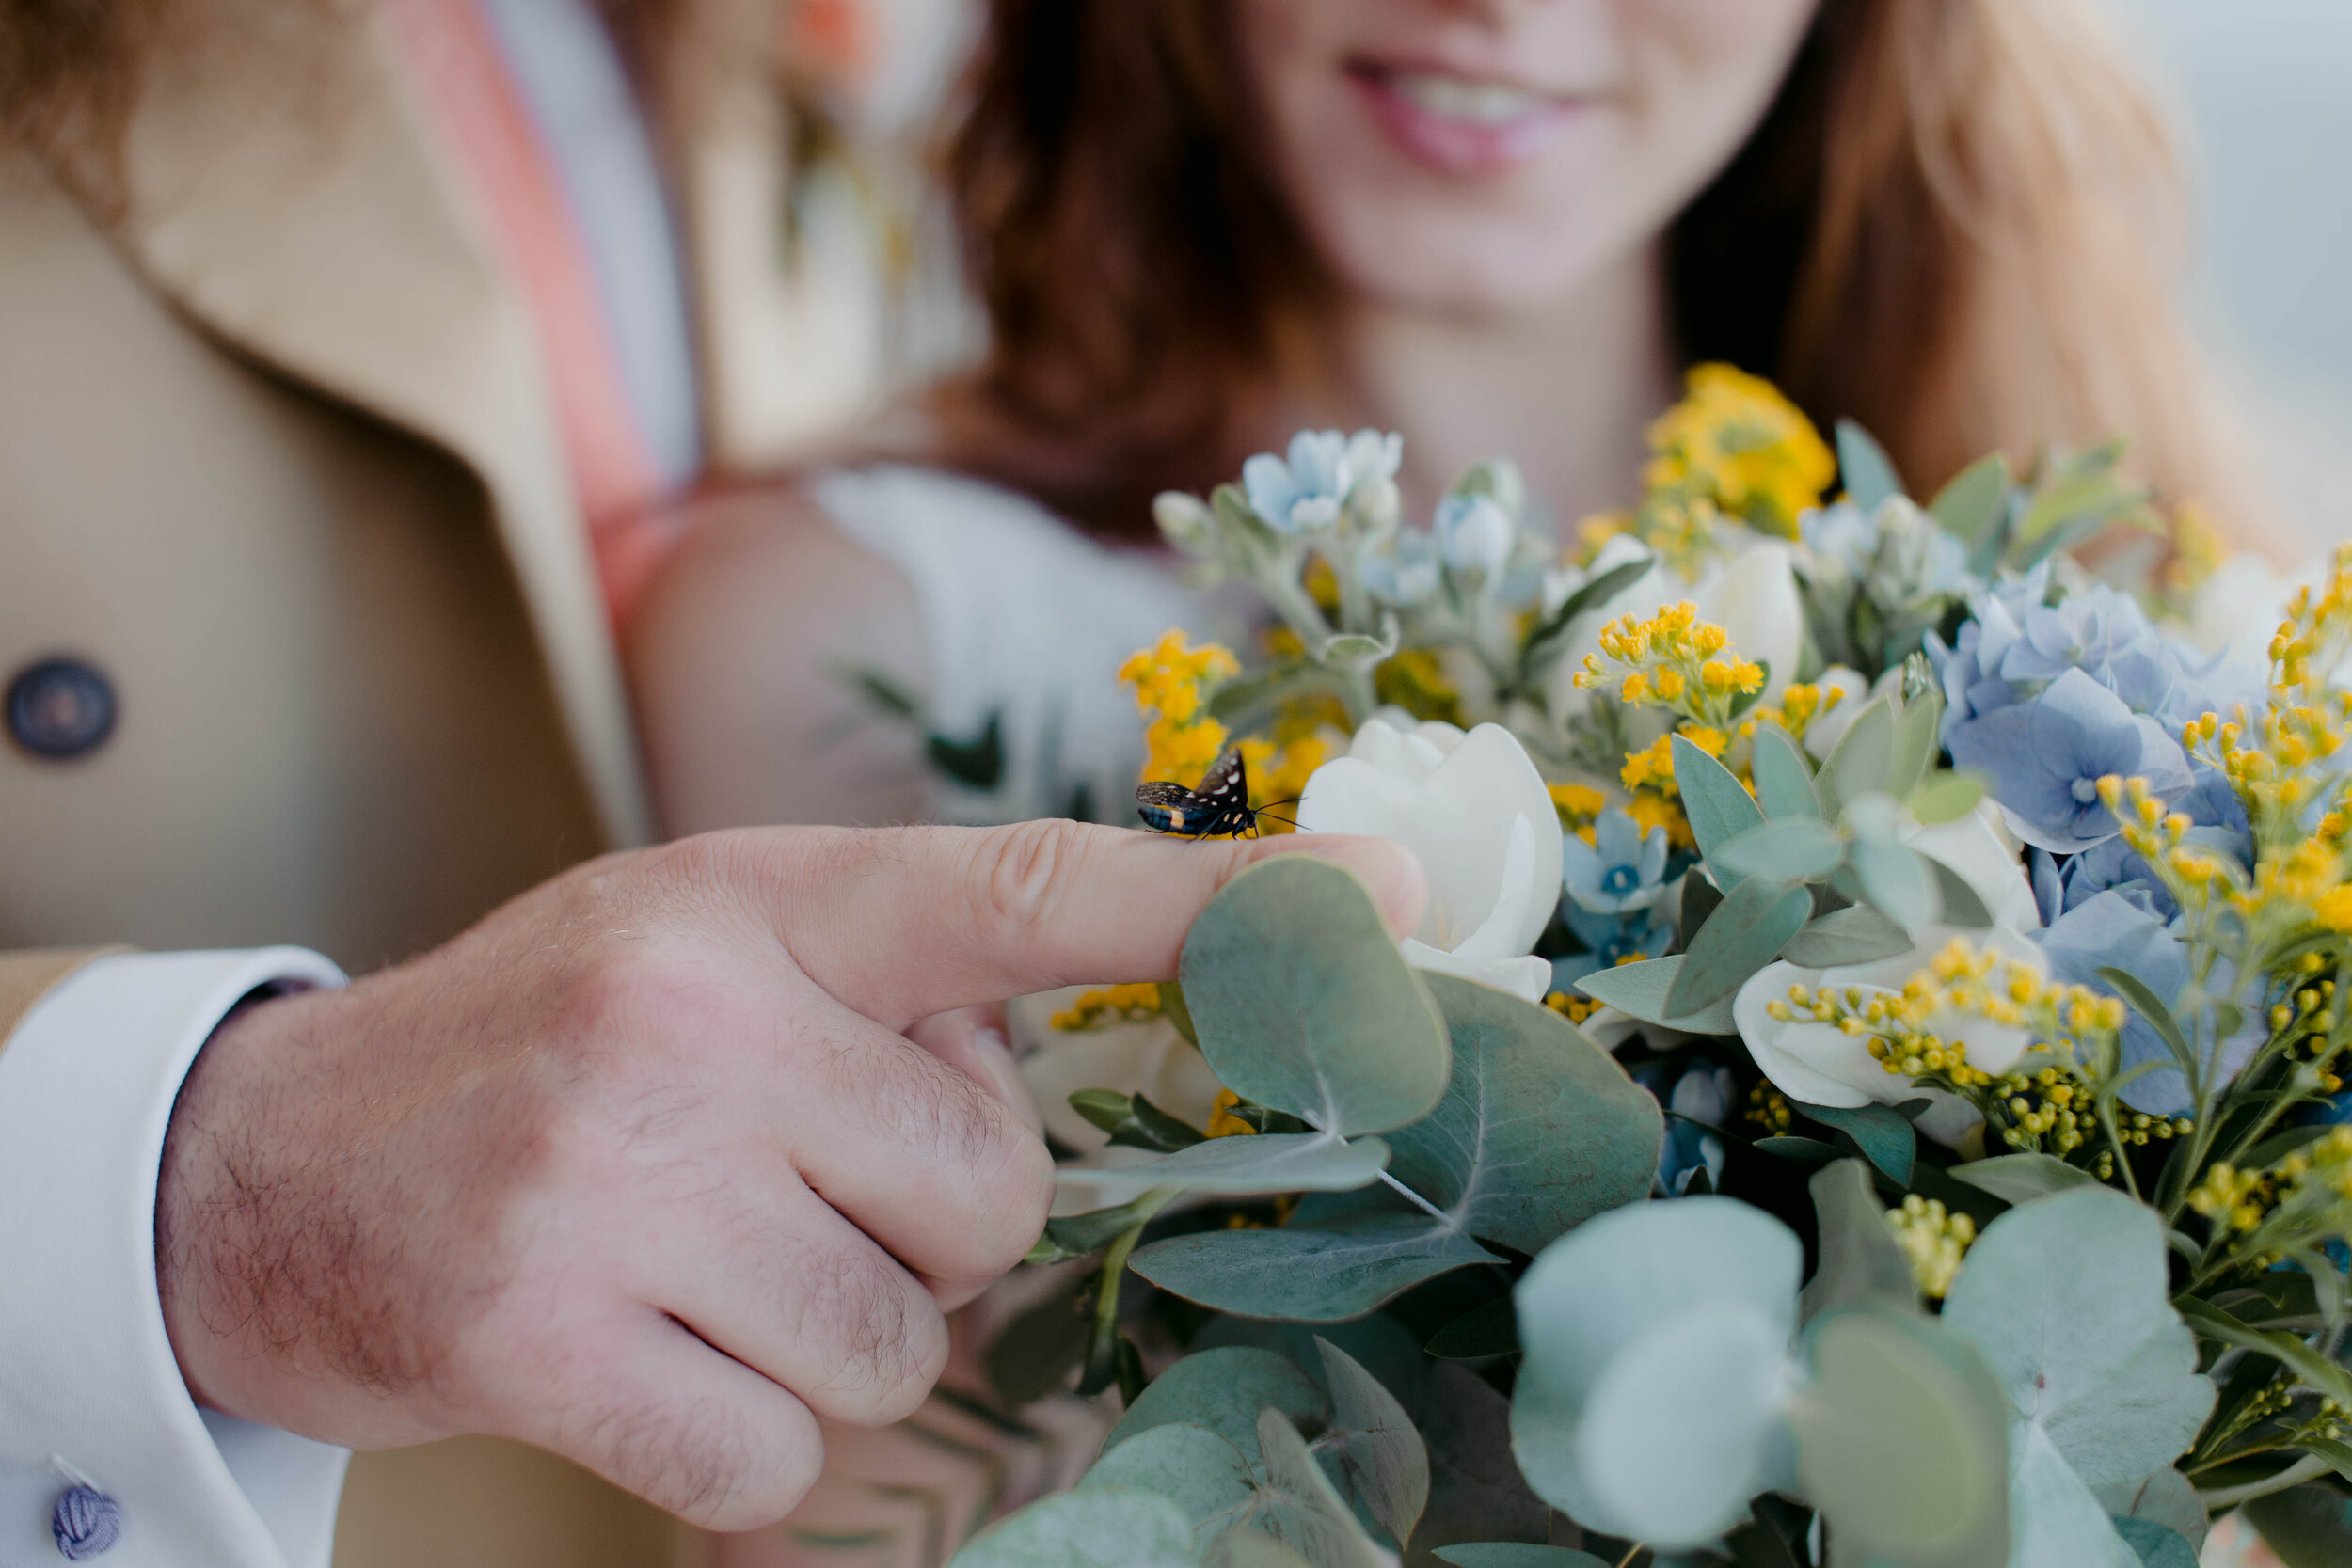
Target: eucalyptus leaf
(1304, 1004)
(1864, 467)
(1349, 1268)
(1223, 1390)
(1747, 932)
(1476, 1493)
(1188, 1463)
(1856, 934)
(1133, 1121)
(1300, 1507)
(2052, 1517)
(1782, 849)
(1718, 806)
(1383, 1455)
(2155, 1545)
(1897, 881)
(1699, 899)
(1975, 502)
(1900, 1443)
(1545, 644)
(2066, 1299)
(1173, 1009)
(1251, 1162)
(1242, 1547)
(1094, 1526)
(2148, 1004)
(1861, 761)
(2166, 1497)
(1514, 1554)
(2318, 1372)
(1861, 1263)
(1960, 902)
(1812, 1151)
(1943, 796)
(1488, 1330)
(1641, 988)
(1883, 1135)
(2021, 1178)
(1784, 779)
(1354, 651)
(1644, 1325)
(2309, 1527)
(1917, 743)
(1539, 1129)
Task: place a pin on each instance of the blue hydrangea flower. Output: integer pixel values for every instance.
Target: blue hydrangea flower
(1621, 870)
(2047, 755)
(1403, 572)
(2108, 931)
(1473, 533)
(1304, 493)
(1702, 1094)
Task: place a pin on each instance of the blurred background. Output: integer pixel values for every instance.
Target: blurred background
(2257, 88)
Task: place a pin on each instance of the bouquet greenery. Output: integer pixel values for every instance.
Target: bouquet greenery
(1864, 1090)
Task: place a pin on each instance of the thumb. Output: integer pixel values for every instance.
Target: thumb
(906, 922)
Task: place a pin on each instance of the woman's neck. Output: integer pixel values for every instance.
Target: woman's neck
(1565, 393)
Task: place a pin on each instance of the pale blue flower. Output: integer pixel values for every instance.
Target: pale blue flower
(2108, 931)
(1621, 870)
(1609, 939)
(1403, 572)
(1473, 533)
(1899, 555)
(1702, 1095)
(2045, 757)
(1304, 493)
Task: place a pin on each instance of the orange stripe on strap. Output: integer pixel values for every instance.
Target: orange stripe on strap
(455, 59)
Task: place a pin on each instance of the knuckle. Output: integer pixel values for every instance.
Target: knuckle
(706, 1460)
(1021, 874)
(884, 1334)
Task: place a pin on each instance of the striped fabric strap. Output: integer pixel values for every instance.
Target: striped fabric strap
(452, 54)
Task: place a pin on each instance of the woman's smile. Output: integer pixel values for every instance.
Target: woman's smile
(1460, 123)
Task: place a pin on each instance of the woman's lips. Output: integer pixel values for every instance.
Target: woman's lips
(1463, 124)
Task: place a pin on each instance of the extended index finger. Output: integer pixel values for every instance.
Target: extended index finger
(901, 923)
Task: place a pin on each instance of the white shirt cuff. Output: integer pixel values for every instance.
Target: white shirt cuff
(89, 1385)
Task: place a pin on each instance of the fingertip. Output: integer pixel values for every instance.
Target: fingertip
(1392, 873)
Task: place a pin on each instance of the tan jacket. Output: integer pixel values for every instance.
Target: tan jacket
(276, 456)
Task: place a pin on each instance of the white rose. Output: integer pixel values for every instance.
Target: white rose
(1475, 811)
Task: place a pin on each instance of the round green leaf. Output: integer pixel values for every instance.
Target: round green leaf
(1383, 1455)
(1096, 1527)
(1303, 1004)
(1257, 1163)
(1328, 1274)
(1223, 1390)
(1300, 1506)
(1539, 1129)
(1786, 848)
(2068, 1300)
(1186, 1462)
(1685, 1425)
(1900, 1443)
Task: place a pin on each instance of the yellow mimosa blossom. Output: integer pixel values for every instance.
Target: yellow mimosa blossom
(1934, 1241)
(1736, 441)
(1654, 811)
(1675, 662)
(1222, 1122)
(1111, 1004)
(1182, 741)
(1415, 681)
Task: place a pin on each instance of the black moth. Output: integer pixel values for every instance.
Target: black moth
(1220, 807)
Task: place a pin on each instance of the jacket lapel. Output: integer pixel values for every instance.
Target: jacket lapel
(311, 217)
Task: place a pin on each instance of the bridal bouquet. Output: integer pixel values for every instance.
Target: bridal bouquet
(1865, 1089)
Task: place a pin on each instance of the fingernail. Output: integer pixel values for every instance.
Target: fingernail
(1392, 873)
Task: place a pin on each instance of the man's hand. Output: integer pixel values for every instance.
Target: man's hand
(644, 1168)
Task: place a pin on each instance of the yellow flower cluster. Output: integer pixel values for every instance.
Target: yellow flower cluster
(1279, 770)
(2303, 1197)
(2311, 641)
(1795, 712)
(1675, 662)
(2198, 547)
(1735, 441)
(1182, 741)
(1578, 804)
(1415, 680)
(1934, 1240)
(1893, 1020)
(1576, 1009)
(1768, 1109)
(2236, 1198)
(1111, 1004)
(1223, 1123)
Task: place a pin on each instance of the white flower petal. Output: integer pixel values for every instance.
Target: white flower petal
(1527, 978)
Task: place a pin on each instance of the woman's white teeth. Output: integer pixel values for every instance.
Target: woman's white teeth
(1462, 98)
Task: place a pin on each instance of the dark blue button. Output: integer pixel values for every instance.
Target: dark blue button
(61, 708)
